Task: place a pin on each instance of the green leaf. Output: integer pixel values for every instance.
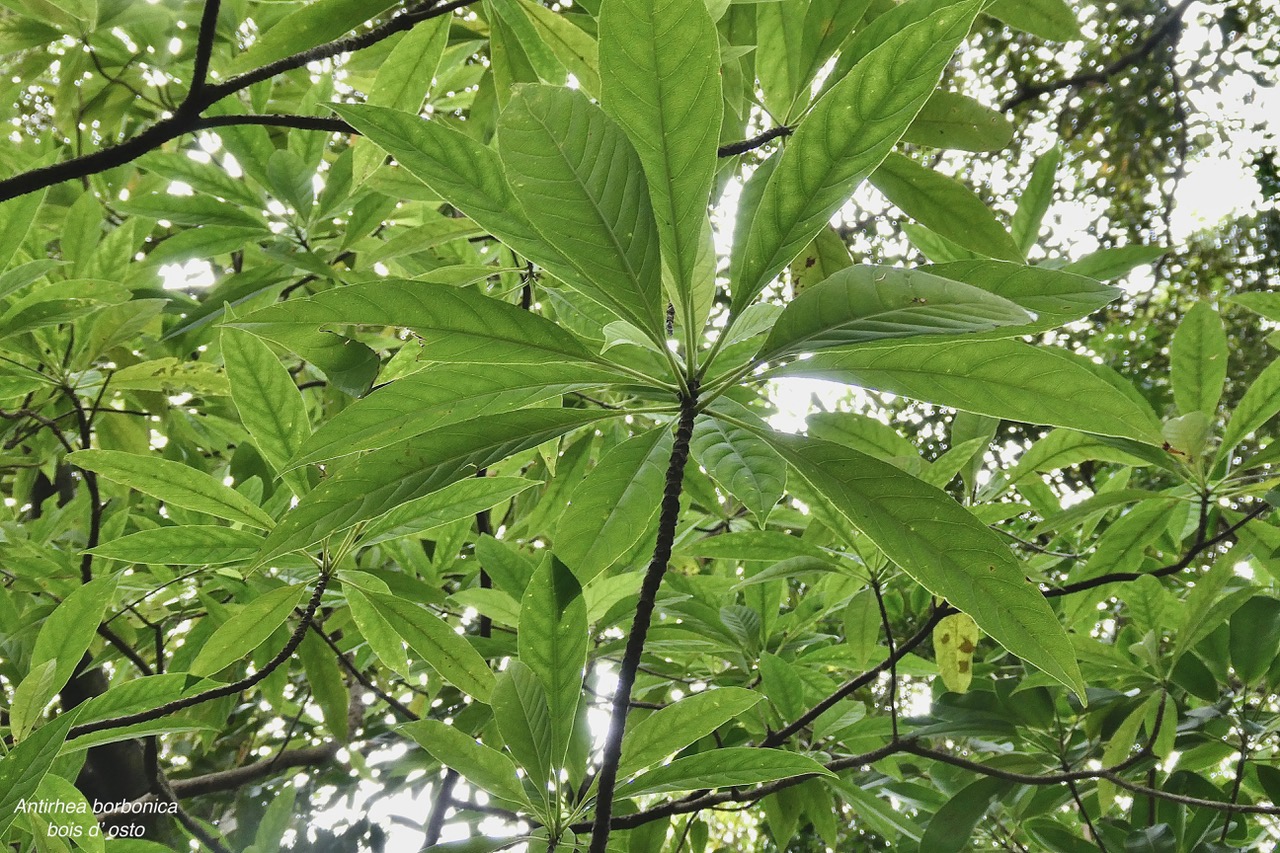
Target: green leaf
(1055, 297)
(192, 210)
(1263, 303)
(313, 24)
(573, 47)
(377, 483)
(269, 403)
(866, 303)
(952, 120)
(1053, 20)
(63, 640)
(1114, 263)
(185, 545)
(576, 175)
(402, 83)
(439, 396)
(944, 206)
(453, 325)
(1002, 379)
(1258, 405)
(553, 643)
(674, 727)
(1198, 360)
(172, 483)
(722, 768)
(741, 463)
(482, 766)
(24, 767)
(468, 175)
(846, 135)
(520, 709)
(16, 217)
(660, 64)
(452, 503)
(952, 826)
(327, 683)
(1254, 637)
(766, 545)
(940, 544)
(383, 640)
(247, 629)
(862, 433)
(614, 506)
(434, 641)
(1034, 201)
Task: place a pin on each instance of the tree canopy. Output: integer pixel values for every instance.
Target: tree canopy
(636, 426)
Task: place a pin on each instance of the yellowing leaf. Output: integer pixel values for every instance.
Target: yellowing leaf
(954, 640)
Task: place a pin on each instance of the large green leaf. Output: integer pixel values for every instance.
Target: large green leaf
(454, 502)
(1002, 379)
(1055, 297)
(436, 643)
(844, 138)
(24, 766)
(660, 68)
(671, 729)
(952, 120)
(482, 766)
(1254, 636)
(583, 188)
(377, 483)
(520, 709)
(865, 303)
(723, 768)
(453, 324)
(571, 45)
(1054, 20)
(173, 483)
(61, 644)
(185, 545)
(944, 206)
(1198, 360)
(269, 403)
(795, 39)
(310, 25)
(614, 506)
(1258, 405)
(941, 545)
(438, 396)
(247, 629)
(553, 643)
(741, 463)
(465, 173)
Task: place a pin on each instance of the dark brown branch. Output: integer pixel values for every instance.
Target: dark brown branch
(735, 148)
(906, 646)
(1169, 28)
(1199, 547)
(669, 517)
(226, 780)
(232, 689)
(444, 798)
(296, 122)
(204, 48)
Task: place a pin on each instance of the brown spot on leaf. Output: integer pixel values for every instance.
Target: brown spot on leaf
(967, 647)
(962, 666)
